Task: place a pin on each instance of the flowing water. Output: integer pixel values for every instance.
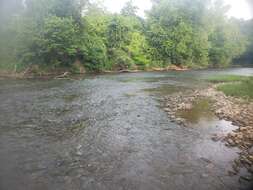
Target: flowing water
(109, 132)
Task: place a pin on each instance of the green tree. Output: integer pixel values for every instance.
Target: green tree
(94, 38)
(129, 9)
(138, 50)
(10, 10)
(55, 45)
(171, 33)
(58, 33)
(193, 33)
(60, 43)
(226, 39)
(246, 28)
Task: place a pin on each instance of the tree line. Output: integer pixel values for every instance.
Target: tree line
(53, 34)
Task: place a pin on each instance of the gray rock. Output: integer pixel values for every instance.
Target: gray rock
(251, 150)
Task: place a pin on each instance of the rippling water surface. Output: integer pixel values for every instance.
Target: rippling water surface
(109, 132)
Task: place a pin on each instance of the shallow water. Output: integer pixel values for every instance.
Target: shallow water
(109, 132)
(201, 110)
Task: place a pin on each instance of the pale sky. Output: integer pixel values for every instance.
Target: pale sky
(116, 5)
(239, 8)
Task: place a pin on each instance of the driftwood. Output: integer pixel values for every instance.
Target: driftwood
(28, 69)
(128, 71)
(62, 76)
(122, 71)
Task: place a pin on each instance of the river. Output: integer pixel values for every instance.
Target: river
(109, 132)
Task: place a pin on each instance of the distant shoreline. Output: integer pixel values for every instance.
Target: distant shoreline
(67, 74)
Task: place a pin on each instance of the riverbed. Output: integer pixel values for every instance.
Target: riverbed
(110, 132)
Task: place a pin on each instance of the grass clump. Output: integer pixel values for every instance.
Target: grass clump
(227, 78)
(243, 89)
(237, 86)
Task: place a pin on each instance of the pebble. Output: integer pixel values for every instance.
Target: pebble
(205, 175)
(238, 112)
(246, 178)
(251, 150)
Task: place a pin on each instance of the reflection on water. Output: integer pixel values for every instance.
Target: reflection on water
(201, 110)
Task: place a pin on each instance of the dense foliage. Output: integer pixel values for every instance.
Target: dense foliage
(60, 33)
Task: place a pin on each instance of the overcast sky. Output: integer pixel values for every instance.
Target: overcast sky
(239, 8)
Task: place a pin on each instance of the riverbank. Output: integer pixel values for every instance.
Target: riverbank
(35, 72)
(237, 110)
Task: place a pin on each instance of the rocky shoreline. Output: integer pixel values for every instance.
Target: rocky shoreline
(236, 110)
